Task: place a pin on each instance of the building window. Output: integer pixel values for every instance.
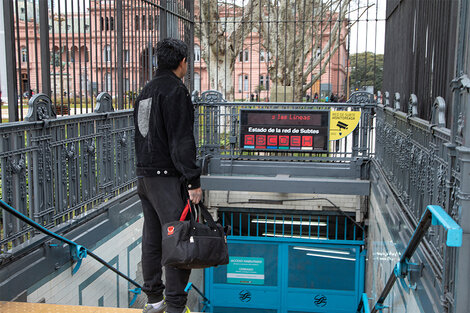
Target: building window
(262, 57)
(150, 22)
(137, 22)
(144, 21)
(261, 82)
(266, 82)
(111, 23)
(107, 53)
(318, 53)
(84, 53)
(24, 55)
(197, 53)
(126, 56)
(244, 56)
(197, 82)
(245, 83)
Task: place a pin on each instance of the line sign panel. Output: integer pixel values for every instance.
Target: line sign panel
(284, 130)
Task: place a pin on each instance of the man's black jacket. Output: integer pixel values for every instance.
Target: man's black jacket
(164, 140)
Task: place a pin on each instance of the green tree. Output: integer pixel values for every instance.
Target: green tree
(366, 70)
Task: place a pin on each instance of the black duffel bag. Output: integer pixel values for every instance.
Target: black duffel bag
(189, 244)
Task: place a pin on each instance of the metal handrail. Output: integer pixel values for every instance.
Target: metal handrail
(77, 251)
(364, 304)
(434, 215)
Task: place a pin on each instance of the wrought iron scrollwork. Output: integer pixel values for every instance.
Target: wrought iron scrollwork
(413, 105)
(361, 97)
(211, 97)
(396, 101)
(18, 166)
(438, 112)
(40, 108)
(104, 103)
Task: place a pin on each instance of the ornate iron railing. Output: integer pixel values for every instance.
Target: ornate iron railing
(55, 169)
(433, 215)
(217, 128)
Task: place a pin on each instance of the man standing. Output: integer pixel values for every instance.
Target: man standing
(166, 170)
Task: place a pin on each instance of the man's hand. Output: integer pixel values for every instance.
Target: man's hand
(195, 195)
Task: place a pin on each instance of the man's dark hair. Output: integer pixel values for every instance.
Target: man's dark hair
(170, 53)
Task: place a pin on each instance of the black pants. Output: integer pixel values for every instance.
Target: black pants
(162, 202)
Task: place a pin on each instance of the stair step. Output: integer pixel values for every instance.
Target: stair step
(26, 307)
(23, 307)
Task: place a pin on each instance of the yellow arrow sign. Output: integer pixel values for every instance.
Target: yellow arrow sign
(342, 123)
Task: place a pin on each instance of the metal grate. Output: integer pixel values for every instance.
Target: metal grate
(73, 50)
(294, 225)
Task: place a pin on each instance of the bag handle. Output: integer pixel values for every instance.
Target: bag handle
(207, 216)
(204, 212)
(186, 209)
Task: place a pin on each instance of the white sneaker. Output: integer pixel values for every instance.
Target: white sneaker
(155, 308)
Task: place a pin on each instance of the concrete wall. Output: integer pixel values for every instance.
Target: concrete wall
(94, 284)
(311, 202)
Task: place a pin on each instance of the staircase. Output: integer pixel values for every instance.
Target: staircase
(20, 307)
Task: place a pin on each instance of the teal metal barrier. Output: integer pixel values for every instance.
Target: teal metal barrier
(205, 302)
(434, 215)
(364, 304)
(77, 252)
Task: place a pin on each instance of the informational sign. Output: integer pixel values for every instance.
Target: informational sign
(284, 130)
(245, 270)
(342, 123)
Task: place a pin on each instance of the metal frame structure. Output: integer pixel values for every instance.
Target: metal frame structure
(232, 168)
(56, 169)
(277, 240)
(73, 50)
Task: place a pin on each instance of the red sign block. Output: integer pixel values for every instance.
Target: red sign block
(295, 141)
(284, 141)
(260, 141)
(249, 140)
(307, 141)
(272, 140)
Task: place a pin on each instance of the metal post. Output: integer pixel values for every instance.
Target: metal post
(45, 52)
(462, 105)
(120, 51)
(163, 19)
(12, 88)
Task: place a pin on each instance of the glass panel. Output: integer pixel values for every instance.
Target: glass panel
(316, 267)
(267, 253)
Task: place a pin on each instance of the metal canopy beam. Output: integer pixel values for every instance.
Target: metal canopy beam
(286, 184)
(273, 168)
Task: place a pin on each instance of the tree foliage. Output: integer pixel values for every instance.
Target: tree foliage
(366, 70)
(301, 37)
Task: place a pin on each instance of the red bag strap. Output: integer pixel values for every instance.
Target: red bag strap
(187, 209)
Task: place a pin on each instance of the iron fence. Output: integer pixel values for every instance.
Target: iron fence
(55, 169)
(288, 51)
(291, 224)
(425, 67)
(218, 132)
(73, 50)
(417, 158)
